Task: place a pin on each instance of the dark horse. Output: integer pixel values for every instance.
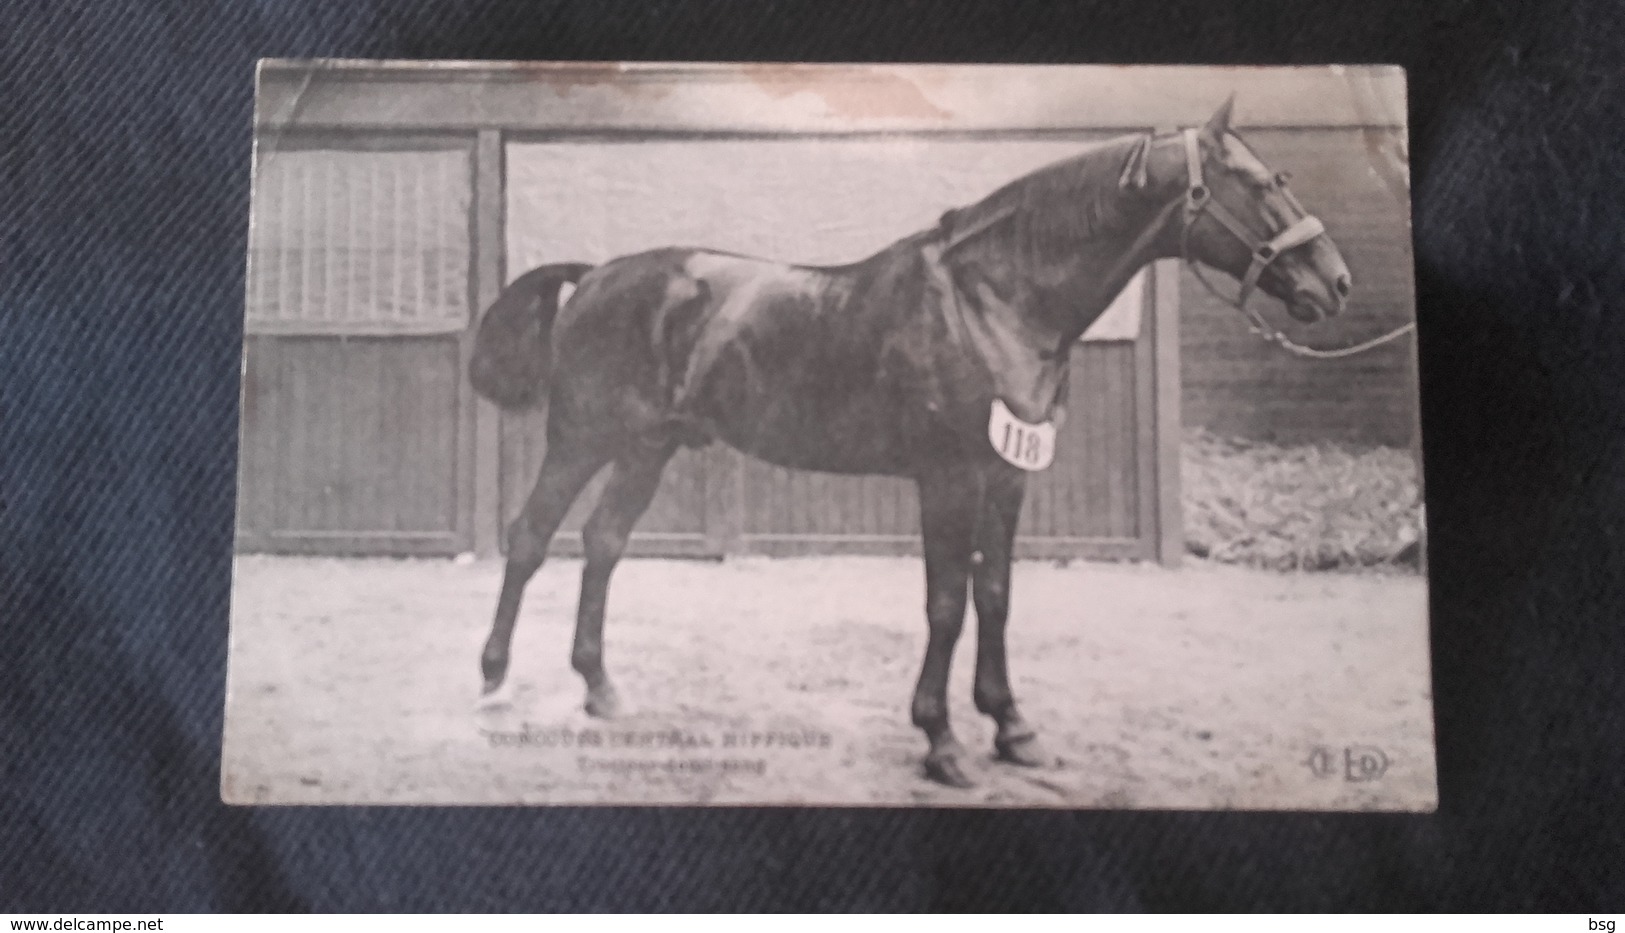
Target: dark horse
(941, 358)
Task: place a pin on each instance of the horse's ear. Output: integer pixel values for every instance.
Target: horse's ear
(1135, 170)
(1219, 124)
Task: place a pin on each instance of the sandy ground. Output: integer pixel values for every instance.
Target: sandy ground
(761, 681)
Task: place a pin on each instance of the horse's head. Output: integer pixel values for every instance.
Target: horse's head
(1241, 218)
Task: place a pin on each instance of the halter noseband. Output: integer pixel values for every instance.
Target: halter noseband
(1199, 200)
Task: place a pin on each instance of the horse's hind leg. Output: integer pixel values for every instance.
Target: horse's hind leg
(565, 470)
(1015, 741)
(631, 487)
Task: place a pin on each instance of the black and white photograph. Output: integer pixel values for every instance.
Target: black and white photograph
(995, 436)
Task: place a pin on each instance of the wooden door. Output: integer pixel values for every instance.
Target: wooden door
(355, 416)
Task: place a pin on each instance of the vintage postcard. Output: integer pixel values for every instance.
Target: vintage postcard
(724, 434)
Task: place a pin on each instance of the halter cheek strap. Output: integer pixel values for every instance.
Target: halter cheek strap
(1199, 200)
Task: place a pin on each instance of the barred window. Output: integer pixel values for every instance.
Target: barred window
(359, 242)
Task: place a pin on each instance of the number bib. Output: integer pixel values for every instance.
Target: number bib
(1028, 446)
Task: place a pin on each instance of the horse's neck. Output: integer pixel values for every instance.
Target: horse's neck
(1066, 293)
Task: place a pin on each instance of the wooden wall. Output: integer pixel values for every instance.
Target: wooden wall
(353, 444)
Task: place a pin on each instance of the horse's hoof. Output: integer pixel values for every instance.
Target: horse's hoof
(494, 671)
(603, 702)
(493, 696)
(1024, 750)
(945, 770)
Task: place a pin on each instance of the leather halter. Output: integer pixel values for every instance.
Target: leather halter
(1199, 200)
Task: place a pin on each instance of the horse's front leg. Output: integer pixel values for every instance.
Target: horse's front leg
(1004, 487)
(948, 500)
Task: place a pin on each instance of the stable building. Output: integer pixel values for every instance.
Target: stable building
(393, 202)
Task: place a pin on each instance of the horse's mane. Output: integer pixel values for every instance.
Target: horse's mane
(1043, 213)
(1054, 208)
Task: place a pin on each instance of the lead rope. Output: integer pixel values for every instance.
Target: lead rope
(1268, 334)
(1298, 349)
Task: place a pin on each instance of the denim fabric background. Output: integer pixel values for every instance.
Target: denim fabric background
(124, 157)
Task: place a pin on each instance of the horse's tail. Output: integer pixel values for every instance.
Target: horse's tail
(513, 346)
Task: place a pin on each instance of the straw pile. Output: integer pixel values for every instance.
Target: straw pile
(1312, 507)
